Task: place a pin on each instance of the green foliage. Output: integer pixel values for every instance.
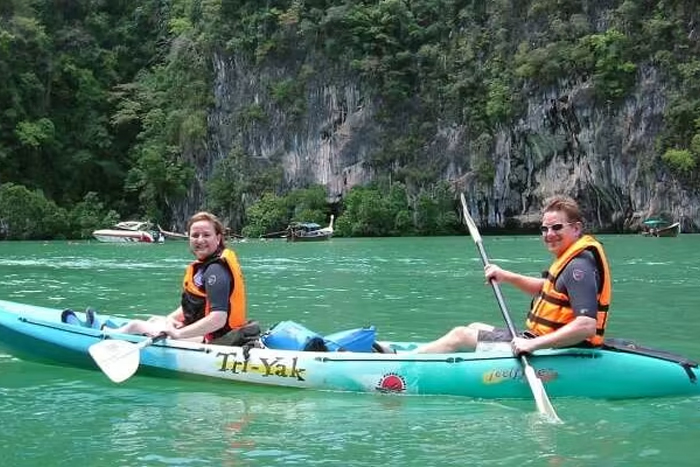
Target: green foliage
(252, 115)
(89, 215)
(35, 134)
(365, 214)
(156, 177)
(272, 214)
(435, 213)
(169, 103)
(695, 145)
(681, 161)
(28, 215)
(613, 74)
(228, 184)
(59, 62)
(269, 214)
(499, 106)
(309, 204)
(606, 58)
(377, 211)
(235, 179)
(680, 140)
(115, 97)
(290, 95)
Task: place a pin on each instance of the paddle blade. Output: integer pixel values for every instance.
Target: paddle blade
(119, 360)
(544, 406)
(471, 225)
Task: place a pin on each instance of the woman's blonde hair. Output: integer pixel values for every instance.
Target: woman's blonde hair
(207, 216)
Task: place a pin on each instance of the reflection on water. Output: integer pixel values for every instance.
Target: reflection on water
(153, 422)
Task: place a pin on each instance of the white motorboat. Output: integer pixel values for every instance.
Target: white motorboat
(130, 232)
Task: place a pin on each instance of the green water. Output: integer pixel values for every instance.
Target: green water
(411, 289)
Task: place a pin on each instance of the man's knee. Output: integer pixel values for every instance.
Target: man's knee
(476, 327)
(460, 338)
(463, 333)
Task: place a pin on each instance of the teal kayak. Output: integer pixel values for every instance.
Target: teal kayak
(619, 370)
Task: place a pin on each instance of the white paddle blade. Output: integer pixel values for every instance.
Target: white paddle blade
(119, 360)
(471, 225)
(544, 406)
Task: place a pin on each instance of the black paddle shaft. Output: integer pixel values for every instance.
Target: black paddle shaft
(497, 291)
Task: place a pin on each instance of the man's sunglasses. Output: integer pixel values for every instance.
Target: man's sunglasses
(555, 228)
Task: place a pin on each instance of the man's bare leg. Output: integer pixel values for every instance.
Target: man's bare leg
(461, 338)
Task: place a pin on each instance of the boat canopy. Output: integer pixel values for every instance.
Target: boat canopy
(655, 222)
(305, 225)
(133, 225)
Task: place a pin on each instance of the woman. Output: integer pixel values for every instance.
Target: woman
(213, 304)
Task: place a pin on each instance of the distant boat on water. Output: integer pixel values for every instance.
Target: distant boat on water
(661, 228)
(309, 231)
(172, 235)
(129, 232)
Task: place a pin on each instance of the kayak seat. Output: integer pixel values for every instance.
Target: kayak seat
(379, 348)
(93, 321)
(68, 316)
(247, 337)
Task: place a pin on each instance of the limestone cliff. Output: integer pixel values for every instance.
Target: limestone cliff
(564, 141)
(563, 144)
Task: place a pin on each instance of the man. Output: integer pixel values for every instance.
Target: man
(570, 303)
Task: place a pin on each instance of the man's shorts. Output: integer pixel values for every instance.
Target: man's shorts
(502, 335)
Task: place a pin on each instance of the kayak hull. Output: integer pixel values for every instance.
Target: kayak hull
(37, 333)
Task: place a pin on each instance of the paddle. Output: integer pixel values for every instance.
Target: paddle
(544, 406)
(119, 359)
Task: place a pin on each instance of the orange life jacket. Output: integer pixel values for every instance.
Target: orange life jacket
(195, 298)
(552, 309)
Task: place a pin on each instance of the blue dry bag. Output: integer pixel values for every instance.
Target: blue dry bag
(352, 340)
(289, 335)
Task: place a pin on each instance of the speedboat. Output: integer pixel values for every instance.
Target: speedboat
(129, 232)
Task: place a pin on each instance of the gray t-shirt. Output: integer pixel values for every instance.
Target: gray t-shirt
(580, 280)
(218, 284)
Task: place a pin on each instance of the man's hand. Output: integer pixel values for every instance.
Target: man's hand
(521, 346)
(493, 272)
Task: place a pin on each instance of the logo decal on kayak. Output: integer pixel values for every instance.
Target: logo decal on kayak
(496, 376)
(265, 366)
(391, 382)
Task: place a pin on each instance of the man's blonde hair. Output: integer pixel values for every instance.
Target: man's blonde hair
(564, 204)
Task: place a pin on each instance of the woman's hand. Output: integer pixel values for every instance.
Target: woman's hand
(155, 328)
(173, 330)
(177, 324)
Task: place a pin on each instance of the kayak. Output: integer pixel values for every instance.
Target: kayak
(619, 370)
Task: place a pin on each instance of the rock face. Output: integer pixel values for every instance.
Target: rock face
(601, 156)
(564, 143)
